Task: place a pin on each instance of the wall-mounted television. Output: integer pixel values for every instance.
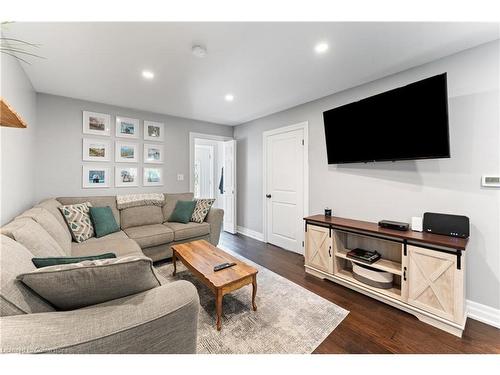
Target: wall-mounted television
(406, 123)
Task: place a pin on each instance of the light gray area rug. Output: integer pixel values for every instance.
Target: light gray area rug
(289, 318)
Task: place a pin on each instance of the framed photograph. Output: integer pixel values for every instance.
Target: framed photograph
(96, 123)
(126, 152)
(127, 127)
(152, 177)
(95, 177)
(153, 153)
(125, 176)
(96, 149)
(153, 131)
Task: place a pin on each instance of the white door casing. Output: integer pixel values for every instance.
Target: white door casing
(230, 186)
(285, 186)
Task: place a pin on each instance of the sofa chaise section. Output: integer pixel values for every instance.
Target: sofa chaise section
(160, 320)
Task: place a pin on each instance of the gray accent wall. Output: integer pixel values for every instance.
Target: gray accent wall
(59, 144)
(400, 190)
(18, 146)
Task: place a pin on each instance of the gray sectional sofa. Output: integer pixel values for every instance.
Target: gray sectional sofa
(159, 320)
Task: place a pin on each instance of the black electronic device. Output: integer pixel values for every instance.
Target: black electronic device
(222, 266)
(396, 225)
(363, 255)
(449, 225)
(406, 123)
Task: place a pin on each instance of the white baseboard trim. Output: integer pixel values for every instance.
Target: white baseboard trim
(483, 313)
(251, 233)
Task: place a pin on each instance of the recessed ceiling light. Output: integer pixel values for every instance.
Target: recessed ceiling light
(229, 97)
(148, 74)
(321, 47)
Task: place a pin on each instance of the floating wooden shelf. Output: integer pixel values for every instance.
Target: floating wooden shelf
(381, 264)
(9, 117)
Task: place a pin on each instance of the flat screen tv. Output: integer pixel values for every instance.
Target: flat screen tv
(406, 123)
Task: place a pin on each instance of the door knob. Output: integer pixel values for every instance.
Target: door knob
(268, 195)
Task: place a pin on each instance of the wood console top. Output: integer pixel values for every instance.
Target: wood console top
(428, 238)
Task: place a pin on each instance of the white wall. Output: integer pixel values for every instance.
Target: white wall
(59, 145)
(400, 190)
(17, 145)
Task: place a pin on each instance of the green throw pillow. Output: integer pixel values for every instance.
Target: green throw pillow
(54, 261)
(103, 221)
(182, 212)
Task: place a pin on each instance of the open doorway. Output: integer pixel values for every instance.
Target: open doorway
(212, 173)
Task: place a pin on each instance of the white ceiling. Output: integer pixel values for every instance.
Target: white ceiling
(268, 67)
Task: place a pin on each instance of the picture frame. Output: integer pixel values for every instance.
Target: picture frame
(96, 123)
(95, 176)
(126, 176)
(126, 152)
(152, 177)
(154, 131)
(126, 127)
(96, 149)
(153, 153)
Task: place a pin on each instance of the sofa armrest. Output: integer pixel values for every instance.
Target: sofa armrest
(214, 218)
(160, 320)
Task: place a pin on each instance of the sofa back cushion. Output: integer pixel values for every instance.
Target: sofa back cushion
(15, 297)
(171, 201)
(95, 202)
(52, 205)
(142, 215)
(33, 237)
(51, 225)
(76, 285)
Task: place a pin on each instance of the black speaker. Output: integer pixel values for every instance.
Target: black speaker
(449, 225)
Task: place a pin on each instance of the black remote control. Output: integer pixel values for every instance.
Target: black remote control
(223, 266)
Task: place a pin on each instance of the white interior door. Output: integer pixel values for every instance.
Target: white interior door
(204, 185)
(229, 185)
(285, 176)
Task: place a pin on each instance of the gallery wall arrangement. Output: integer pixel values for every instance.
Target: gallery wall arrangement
(97, 152)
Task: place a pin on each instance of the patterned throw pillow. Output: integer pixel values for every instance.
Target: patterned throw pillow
(78, 219)
(201, 210)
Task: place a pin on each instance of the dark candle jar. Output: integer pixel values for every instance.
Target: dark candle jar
(328, 212)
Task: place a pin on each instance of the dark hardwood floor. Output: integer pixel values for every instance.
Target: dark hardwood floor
(371, 326)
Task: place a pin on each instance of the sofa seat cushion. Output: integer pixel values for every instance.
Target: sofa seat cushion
(32, 236)
(15, 297)
(189, 230)
(120, 247)
(120, 235)
(140, 216)
(53, 227)
(150, 235)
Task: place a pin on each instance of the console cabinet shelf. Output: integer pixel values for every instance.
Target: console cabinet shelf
(428, 270)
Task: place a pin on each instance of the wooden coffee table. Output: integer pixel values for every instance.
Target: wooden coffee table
(200, 257)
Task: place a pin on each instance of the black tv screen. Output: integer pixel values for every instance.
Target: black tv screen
(409, 122)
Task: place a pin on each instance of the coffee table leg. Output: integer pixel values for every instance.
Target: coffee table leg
(174, 260)
(254, 291)
(218, 306)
